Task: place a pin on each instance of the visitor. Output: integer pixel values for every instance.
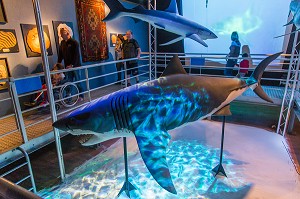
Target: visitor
(234, 53)
(119, 56)
(131, 49)
(244, 66)
(69, 52)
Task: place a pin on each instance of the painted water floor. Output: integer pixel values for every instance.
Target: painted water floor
(255, 161)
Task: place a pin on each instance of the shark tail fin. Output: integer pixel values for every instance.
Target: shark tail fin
(115, 8)
(257, 74)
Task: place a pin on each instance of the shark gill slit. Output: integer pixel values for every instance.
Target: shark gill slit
(121, 114)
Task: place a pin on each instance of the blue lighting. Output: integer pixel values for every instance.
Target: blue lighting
(190, 164)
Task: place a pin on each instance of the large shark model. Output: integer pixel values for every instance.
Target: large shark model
(167, 20)
(149, 110)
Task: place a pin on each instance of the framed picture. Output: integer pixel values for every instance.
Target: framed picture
(113, 39)
(8, 41)
(31, 40)
(4, 73)
(57, 25)
(3, 19)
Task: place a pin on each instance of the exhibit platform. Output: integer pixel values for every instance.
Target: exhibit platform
(255, 160)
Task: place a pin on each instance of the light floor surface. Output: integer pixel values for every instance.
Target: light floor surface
(256, 162)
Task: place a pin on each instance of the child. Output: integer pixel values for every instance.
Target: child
(56, 79)
(244, 66)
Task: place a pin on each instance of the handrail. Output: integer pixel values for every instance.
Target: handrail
(14, 191)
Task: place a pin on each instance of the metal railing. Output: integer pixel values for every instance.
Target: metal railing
(23, 179)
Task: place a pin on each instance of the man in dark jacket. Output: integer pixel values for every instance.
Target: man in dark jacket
(69, 52)
(131, 49)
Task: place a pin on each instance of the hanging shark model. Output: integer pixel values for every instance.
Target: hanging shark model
(295, 10)
(167, 20)
(149, 110)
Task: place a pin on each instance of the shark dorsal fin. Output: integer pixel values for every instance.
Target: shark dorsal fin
(172, 7)
(225, 111)
(174, 67)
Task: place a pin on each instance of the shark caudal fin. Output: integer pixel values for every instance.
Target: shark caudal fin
(115, 8)
(257, 74)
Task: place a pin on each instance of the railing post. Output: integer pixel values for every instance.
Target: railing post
(38, 19)
(125, 73)
(29, 167)
(18, 111)
(87, 83)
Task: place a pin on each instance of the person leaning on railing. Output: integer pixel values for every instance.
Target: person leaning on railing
(69, 52)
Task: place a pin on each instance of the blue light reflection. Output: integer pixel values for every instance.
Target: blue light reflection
(190, 164)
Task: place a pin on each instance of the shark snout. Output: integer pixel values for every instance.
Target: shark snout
(61, 124)
(213, 35)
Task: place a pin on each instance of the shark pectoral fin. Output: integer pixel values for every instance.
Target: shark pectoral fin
(197, 38)
(159, 26)
(172, 41)
(261, 93)
(225, 111)
(153, 145)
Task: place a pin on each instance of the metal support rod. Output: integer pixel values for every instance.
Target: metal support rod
(29, 167)
(127, 186)
(126, 163)
(18, 111)
(38, 19)
(219, 168)
(222, 139)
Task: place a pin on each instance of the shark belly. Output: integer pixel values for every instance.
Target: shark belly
(170, 25)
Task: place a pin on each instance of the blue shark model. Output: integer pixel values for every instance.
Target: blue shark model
(167, 20)
(149, 110)
(295, 10)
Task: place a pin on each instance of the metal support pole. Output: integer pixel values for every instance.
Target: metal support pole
(29, 168)
(288, 97)
(127, 186)
(18, 110)
(38, 19)
(152, 43)
(125, 74)
(219, 168)
(87, 83)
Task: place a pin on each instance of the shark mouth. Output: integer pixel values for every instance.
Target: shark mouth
(84, 138)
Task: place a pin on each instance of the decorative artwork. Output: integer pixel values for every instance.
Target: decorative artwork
(31, 40)
(3, 19)
(57, 25)
(113, 39)
(4, 73)
(92, 30)
(8, 41)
